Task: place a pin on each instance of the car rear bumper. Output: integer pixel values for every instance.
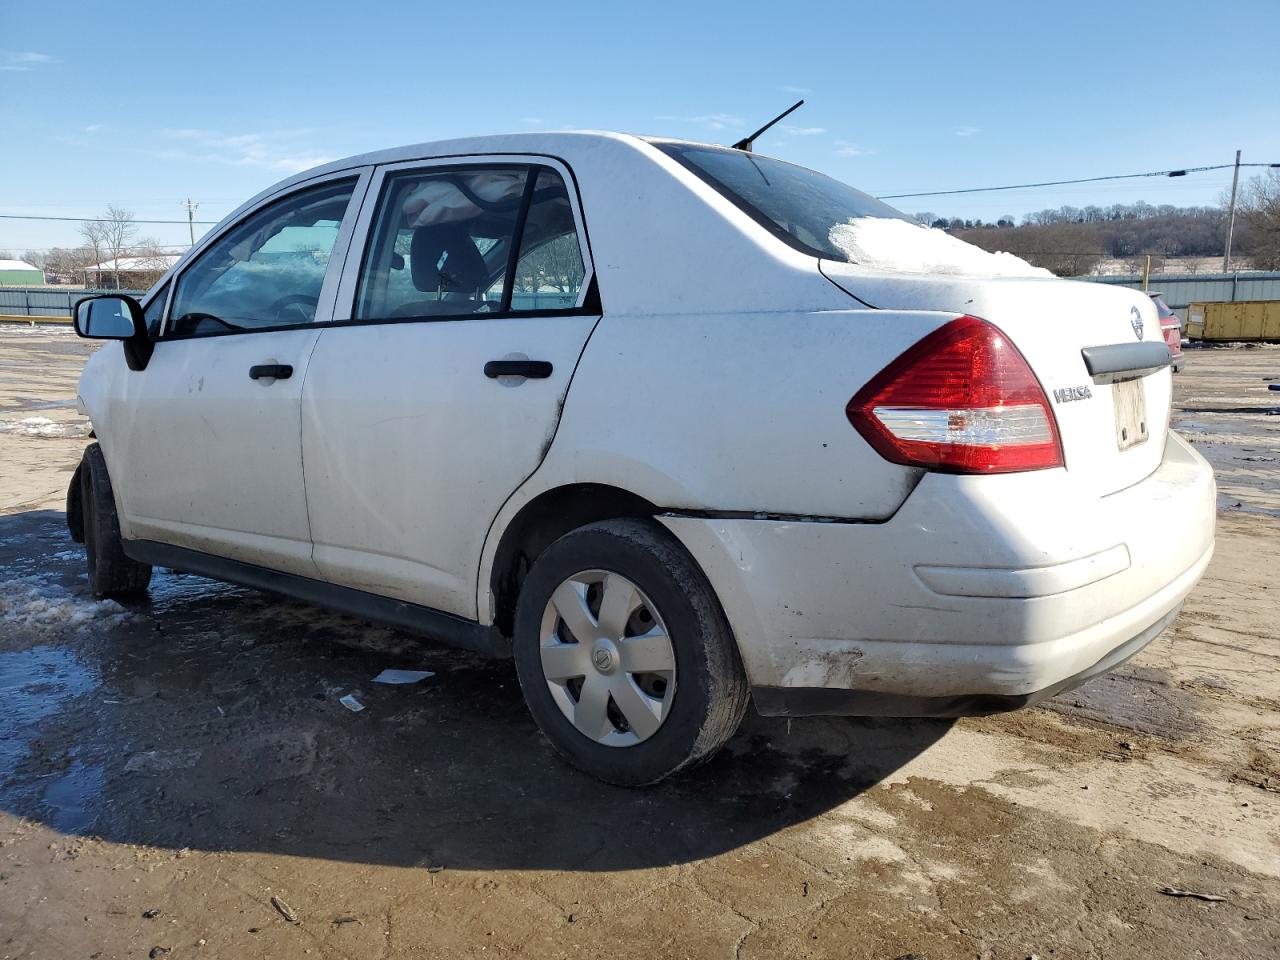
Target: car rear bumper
(980, 594)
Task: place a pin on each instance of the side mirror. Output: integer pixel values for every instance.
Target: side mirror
(112, 316)
(109, 317)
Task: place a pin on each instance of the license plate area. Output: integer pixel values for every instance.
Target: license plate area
(1131, 413)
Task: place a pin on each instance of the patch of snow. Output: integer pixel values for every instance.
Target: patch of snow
(44, 427)
(39, 603)
(898, 246)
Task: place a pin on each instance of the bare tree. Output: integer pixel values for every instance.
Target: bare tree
(1260, 209)
(69, 264)
(556, 265)
(34, 257)
(110, 236)
(1066, 249)
(152, 262)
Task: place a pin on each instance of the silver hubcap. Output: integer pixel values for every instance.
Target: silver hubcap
(607, 658)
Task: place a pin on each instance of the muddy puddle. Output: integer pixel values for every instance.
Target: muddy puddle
(36, 684)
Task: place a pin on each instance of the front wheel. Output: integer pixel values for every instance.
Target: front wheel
(624, 655)
(111, 572)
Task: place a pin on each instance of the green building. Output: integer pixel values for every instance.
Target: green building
(19, 273)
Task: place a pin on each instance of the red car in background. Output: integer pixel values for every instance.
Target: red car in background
(1171, 328)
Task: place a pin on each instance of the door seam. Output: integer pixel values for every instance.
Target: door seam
(302, 449)
(546, 450)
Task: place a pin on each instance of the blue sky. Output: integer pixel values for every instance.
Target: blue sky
(145, 104)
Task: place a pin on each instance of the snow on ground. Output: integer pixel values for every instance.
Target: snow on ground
(37, 331)
(44, 427)
(898, 246)
(39, 603)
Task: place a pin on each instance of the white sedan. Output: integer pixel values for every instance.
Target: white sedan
(677, 426)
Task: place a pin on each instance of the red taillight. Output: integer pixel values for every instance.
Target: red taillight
(962, 400)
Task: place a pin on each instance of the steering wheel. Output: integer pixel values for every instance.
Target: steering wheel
(292, 309)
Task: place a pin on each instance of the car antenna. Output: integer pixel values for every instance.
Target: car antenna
(746, 142)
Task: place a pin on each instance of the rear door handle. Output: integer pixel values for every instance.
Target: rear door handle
(270, 371)
(533, 369)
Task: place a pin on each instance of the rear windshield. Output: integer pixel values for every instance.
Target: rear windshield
(798, 205)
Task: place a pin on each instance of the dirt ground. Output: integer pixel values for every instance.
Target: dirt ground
(179, 775)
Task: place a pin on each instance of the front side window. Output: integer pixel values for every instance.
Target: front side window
(267, 272)
(154, 313)
(444, 239)
(798, 205)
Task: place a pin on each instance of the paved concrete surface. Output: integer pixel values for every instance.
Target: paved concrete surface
(169, 767)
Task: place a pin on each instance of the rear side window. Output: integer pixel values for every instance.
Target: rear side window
(798, 205)
(444, 244)
(268, 271)
(549, 271)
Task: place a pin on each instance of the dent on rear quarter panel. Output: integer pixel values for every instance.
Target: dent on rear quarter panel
(735, 412)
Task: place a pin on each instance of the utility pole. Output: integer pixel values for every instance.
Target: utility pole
(1231, 216)
(192, 207)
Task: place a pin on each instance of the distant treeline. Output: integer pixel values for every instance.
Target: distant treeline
(1071, 241)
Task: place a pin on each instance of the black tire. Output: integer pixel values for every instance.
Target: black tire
(711, 693)
(111, 573)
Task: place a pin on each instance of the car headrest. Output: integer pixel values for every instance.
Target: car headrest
(463, 269)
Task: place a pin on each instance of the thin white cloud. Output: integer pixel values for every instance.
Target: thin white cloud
(279, 151)
(967, 131)
(803, 131)
(715, 121)
(789, 88)
(23, 61)
(93, 128)
(532, 121)
(846, 148)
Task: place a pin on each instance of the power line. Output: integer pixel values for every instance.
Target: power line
(1060, 183)
(10, 244)
(888, 196)
(23, 216)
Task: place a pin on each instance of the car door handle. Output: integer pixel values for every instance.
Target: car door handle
(533, 369)
(270, 371)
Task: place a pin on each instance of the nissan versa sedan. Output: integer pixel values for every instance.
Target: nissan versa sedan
(678, 427)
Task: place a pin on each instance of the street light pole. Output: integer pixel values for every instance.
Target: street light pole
(1231, 216)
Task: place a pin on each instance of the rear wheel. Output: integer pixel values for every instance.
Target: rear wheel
(624, 655)
(111, 572)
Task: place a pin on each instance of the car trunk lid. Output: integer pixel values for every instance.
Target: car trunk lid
(1113, 422)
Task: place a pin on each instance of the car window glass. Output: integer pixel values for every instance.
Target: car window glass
(154, 313)
(268, 271)
(441, 242)
(798, 205)
(549, 273)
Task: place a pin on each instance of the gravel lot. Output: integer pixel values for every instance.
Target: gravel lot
(169, 768)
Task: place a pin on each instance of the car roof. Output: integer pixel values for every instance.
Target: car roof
(563, 143)
(566, 145)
